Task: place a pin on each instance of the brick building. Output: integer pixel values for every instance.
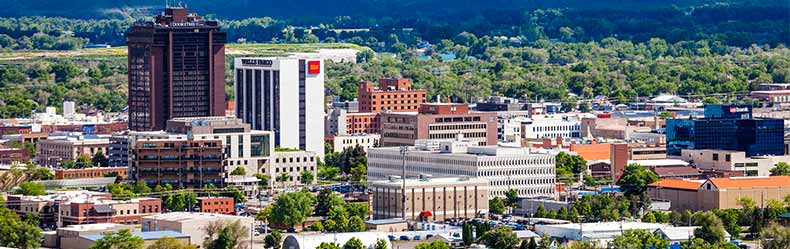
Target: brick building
(182, 163)
(395, 95)
(69, 147)
(95, 172)
(217, 205)
(14, 155)
(83, 207)
(438, 121)
(176, 68)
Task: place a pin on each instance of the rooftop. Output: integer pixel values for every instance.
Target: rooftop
(607, 226)
(751, 182)
(675, 171)
(385, 221)
(186, 217)
(92, 227)
(396, 181)
(659, 162)
(145, 235)
(677, 184)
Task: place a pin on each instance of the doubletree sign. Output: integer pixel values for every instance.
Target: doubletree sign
(313, 67)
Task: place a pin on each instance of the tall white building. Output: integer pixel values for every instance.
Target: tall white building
(531, 174)
(552, 126)
(283, 95)
(68, 108)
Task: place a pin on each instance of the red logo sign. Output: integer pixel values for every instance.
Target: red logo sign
(313, 67)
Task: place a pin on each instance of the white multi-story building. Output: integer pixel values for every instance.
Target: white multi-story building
(531, 174)
(509, 126)
(366, 141)
(730, 160)
(283, 95)
(552, 126)
(293, 164)
(68, 108)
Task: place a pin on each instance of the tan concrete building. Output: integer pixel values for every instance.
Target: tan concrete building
(438, 121)
(192, 224)
(68, 237)
(366, 141)
(430, 198)
(68, 147)
(719, 193)
(728, 161)
(292, 163)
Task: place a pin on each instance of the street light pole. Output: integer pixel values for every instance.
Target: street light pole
(403, 151)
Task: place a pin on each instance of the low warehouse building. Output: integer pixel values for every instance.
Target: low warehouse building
(314, 240)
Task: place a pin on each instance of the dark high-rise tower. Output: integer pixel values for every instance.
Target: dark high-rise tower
(176, 69)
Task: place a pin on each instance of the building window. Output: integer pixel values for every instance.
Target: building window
(727, 157)
(715, 157)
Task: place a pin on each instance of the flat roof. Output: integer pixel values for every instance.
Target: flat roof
(184, 216)
(660, 162)
(412, 182)
(145, 235)
(385, 221)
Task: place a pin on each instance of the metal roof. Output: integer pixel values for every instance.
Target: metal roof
(144, 235)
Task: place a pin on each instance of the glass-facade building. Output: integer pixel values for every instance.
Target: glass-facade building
(726, 127)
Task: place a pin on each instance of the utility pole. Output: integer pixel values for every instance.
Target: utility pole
(403, 151)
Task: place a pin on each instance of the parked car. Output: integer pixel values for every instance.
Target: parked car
(392, 237)
(404, 237)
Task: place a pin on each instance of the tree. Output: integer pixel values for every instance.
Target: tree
(649, 217)
(170, 243)
(511, 198)
(273, 240)
(711, 100)
(356, 224)
(500, 237)
(325, 200)
(466, 234)
(120, 240)
(635, 179)
(283, 178)
(263, 181)
(292, 208)
(329, 245)
(307, 177)
(775, 236)
(711, 228)
(781, 169)
(100, 160)
(353, 243)
(532, 244)
(438, 244)
(224, 235)
(233, 191)
(496, 206)
(638, 239)
(541, 212)
(380, 244)
(18, 233)
(31, 188)
(238, 171)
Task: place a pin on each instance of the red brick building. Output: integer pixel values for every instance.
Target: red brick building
(180, 163)
(394, 95)
(363, 122)
(96, 172)
(14, 155)
(217, 205)
(438, 121)
(83, 207)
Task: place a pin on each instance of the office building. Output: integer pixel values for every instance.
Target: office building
(118, 150)
(83, 207)
(68, 109)
(430, 199)
(182, 163)
(291, 163)
(217, 205)
(552, 126)
(341, 122)
(176, 68)
(438, 121)
(10, 156)
(394, 95)
(732, 162)
(726, 127)
(283, 95)
(51, 152)
(719, 193)
(531, 174)
(225, 144)
(192, 224)
(366, 141)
